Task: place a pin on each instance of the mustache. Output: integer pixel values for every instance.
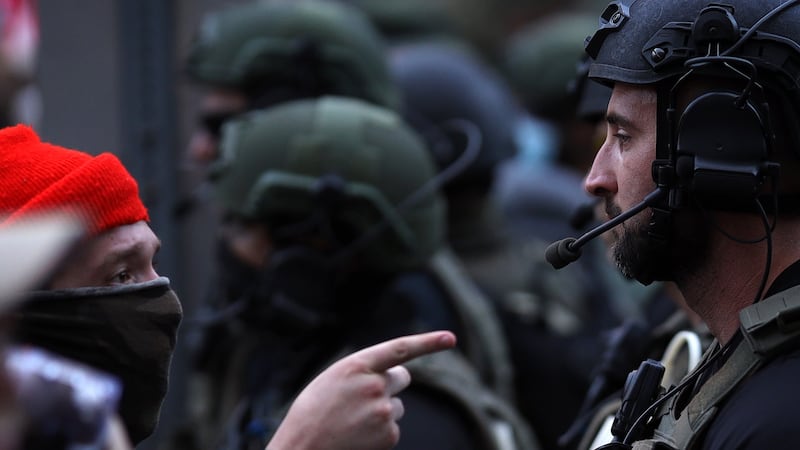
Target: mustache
(612, 210)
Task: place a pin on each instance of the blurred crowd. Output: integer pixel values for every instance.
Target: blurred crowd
(375, 169)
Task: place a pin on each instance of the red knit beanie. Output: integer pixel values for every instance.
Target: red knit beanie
(38, 178)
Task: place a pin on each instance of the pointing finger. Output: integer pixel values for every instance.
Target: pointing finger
(385, 355)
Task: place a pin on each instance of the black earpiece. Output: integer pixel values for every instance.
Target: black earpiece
(722, 151)
(720, 143)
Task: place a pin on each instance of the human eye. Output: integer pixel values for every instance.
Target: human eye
(122, 277)
(622, 138)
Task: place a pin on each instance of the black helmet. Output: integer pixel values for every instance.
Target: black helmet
(441, 82)
(659, 37)
(719, 148)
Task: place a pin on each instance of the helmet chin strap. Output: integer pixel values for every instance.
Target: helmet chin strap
(660, 225)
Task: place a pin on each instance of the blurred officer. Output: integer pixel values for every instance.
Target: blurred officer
(540, 61)
(263, 53)
(411, 20)
(464, 109)
(334, 214)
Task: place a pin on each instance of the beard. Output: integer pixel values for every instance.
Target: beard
(642, 256)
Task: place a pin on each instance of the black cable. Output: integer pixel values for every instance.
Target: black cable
(718, 227)
(757, 25)
(464, 160)
(689, 379)
(730, 62)
(768, 265)
(458, 166)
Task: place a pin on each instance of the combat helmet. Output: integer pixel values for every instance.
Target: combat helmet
(717, 151)
(541, 59)
(660, 37)
(306, 48)
(336, 163)
(441, 82)
(408, 20)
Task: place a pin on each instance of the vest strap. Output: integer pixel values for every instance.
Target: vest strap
(773, 323)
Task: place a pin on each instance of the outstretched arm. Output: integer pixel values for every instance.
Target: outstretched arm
(352, 404)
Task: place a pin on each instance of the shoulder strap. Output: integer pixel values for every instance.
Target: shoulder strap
(705, 404)
(773, 323)
(680, 429)
(599, 430)
(486, 347)
(500, 425)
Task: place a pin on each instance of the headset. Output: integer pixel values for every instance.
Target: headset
(704, 161)
(699, 159)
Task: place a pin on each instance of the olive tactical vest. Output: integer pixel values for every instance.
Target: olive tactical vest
(769, 328)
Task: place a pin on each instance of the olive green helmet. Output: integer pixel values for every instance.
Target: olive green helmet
(542, 59)
(400, 21)
(313, 46)
(356, 164)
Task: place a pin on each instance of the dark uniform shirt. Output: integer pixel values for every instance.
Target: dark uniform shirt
(760, 413)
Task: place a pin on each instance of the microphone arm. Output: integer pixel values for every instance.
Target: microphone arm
(565, 251)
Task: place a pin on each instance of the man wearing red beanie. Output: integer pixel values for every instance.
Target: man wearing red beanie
(108, 307)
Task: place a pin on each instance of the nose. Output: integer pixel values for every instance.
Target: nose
(150, 274)
(601, 181)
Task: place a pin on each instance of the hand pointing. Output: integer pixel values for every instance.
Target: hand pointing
(352, 404)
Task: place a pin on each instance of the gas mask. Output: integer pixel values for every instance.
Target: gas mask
(294, 295)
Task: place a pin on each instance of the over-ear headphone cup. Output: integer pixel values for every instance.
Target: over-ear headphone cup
(684, 167)
(721, 147)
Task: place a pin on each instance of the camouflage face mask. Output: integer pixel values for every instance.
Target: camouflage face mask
(127, 331)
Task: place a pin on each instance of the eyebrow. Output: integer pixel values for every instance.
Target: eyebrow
(616, 119)
(122, 254)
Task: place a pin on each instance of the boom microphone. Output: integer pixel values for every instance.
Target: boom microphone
(565, 251)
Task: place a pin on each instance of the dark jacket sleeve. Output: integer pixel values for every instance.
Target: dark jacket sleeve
(432, 422)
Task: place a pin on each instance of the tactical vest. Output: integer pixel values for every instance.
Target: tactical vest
(682, 354)
(769, 328)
